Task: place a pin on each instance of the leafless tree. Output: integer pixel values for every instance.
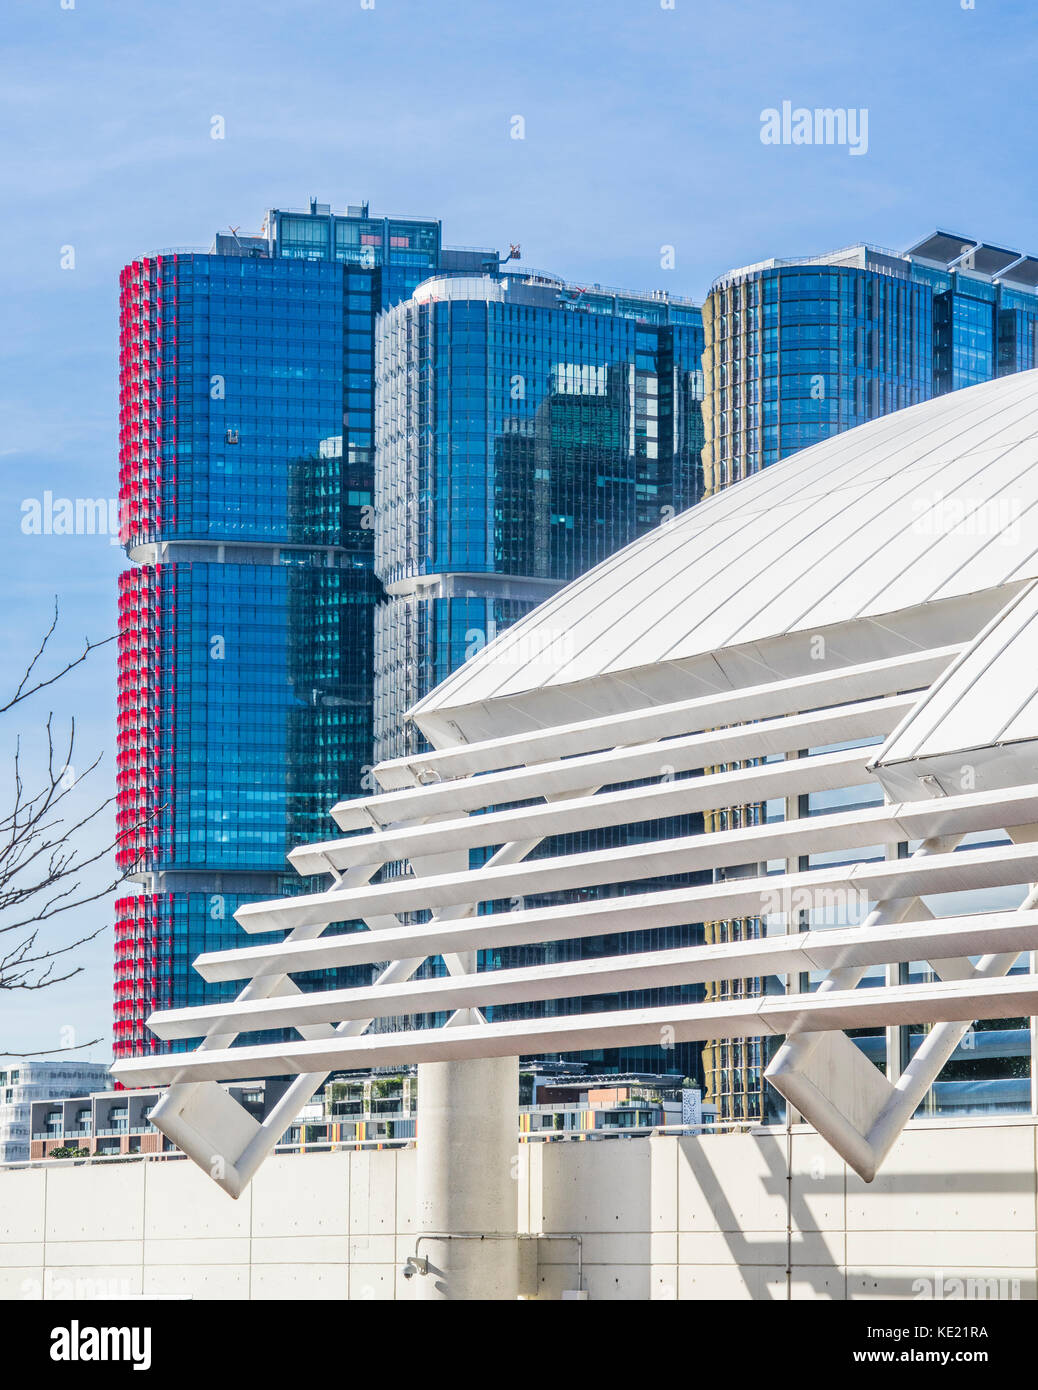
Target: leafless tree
(42, 864)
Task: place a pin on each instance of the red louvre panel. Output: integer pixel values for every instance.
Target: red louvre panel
(144, 690)
(143, 969)
(147, 378)
(147, 440)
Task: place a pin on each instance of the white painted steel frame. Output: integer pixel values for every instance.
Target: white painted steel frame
(769, 1015)
(724, 849)
(831, 685)
(982, 867)
(431, 824)
(779, 955)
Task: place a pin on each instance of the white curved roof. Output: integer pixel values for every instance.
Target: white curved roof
(929, 503)
(979, 719)
(459, 287)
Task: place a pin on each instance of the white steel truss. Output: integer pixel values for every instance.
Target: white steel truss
(507, 796)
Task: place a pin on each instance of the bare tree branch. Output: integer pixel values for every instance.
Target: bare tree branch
(48, 1052)
(24, 690)
(45, 871)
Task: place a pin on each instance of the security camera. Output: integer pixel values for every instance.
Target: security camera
(416, 1264)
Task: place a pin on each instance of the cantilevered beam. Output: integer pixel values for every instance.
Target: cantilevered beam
(861, 1008)
(972, 868)
(860, 720)
(812, 950)
(796, 777)
(867, 680)
(687, 854)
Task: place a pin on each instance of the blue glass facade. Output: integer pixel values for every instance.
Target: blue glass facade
(246, 625)
(796, 352)
(525, 430)
(350, 457)
(264, 683)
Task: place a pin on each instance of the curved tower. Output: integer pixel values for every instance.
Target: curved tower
(245, 624)
(526, 430)
(799, 350)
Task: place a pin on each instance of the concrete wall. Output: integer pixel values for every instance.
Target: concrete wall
(661, 1218)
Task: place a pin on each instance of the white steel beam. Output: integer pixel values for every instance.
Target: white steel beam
(914, 820)
(203, 1120)
(826, 772)
(573, 775)
(867, 680)
(811, 950)
(860, 1112)
(972, 868)
(964, 1000)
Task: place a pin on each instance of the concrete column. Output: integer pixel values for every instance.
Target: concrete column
(468, 1117)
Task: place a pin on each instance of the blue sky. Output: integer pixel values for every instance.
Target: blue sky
(642, 130)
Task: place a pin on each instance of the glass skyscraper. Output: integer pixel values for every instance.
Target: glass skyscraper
(350, 456)
(246, 623)
(525, 429)
(798, 350)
